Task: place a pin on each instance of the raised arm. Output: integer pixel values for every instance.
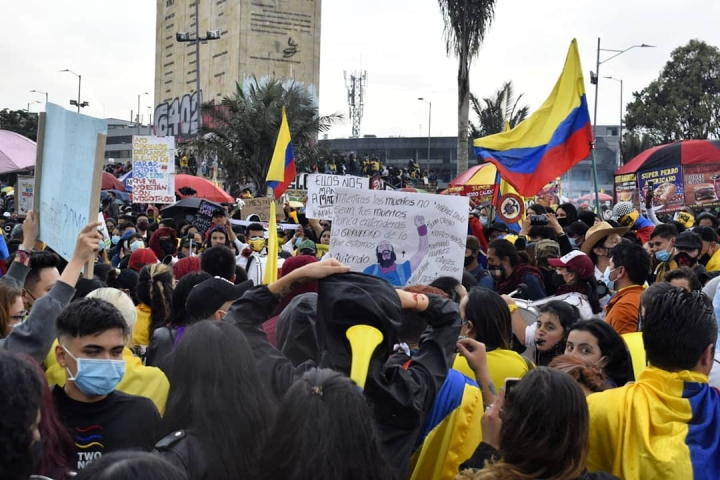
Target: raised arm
(422, 242)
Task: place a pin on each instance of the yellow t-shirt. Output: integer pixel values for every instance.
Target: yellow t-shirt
(141, 331)
(148, 382)
(501, 363)
(714, 263)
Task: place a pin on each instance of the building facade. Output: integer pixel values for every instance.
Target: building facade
(261, 38)
(118, 145)
(398, 151)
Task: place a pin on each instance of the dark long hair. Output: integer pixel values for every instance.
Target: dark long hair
(490, 317)
(155, 289)
(216, 394)
(567, 316)
(619, 364)
(324, 431)
(178, 314)
(19, 403)
(559, 448)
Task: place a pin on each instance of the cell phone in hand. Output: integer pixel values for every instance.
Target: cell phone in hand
(510, 383)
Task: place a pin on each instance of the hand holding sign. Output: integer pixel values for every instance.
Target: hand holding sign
(88, 243)
(30, 230)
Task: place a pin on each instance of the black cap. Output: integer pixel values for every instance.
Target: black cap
(219, 212)
(207, 297)
(688, 240)
(499, 226)
(708, 234)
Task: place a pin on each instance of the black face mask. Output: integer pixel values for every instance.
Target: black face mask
(563, 222)
(705, 259)
(469, 260)
(167, 246)
(685, 260)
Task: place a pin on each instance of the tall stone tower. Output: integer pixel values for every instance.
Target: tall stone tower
(276, 38)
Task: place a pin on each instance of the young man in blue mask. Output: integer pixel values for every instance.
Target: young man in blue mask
(100, 419)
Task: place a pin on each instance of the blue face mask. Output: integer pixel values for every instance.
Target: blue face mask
(96, 377)
(610, 284)
(662, 255)
(115, 239)
(573, 242)
(136, 245)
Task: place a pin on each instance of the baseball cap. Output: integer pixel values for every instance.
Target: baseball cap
(472, 243)
(689, 240)
(218, 212)
(140, 258)
(207, 297)
(708, 234)
(499, 226)
(307, 245)
(576, 261)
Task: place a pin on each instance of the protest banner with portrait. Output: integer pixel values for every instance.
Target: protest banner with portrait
(321, 192)
(153, 167)
(405, 238)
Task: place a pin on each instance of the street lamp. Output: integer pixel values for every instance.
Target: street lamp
(77, 102)
(42, 93)
(32, 103)
(595, 80)
(429, 121)
(622, 108)
(138, 110)
(184, 37)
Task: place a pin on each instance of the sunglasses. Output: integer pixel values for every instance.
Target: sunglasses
(324, 225)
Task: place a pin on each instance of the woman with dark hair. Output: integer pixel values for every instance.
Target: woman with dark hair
(566, 214)
(126, 281)
(486, 318)
(554, 322)
(578, 274)
(598, 343)
(536, 209)
(20, 404)
(218, 411)
(452, 288)
(217, 235)
(131, 466)
(324, 431)
(155, 291)
(515, 447)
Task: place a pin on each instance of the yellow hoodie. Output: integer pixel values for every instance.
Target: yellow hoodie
(141, 330)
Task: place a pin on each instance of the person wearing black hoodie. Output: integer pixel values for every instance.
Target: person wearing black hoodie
(401, 396)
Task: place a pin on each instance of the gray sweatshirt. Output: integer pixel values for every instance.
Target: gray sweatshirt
(36, 334)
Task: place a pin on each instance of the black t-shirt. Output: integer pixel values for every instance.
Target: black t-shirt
(117, 422)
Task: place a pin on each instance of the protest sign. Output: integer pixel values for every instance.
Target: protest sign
(406, 238)
(68, 174)
(321, 192)
(702, 185)
(203, 217)
(626, 188)
(260, 207)
(667, 187)
(153, 178)
(24, 194)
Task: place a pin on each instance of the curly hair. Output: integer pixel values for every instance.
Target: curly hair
(155, 289)
(20, 406)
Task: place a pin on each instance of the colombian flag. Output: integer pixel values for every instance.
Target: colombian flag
(282, 166)
(553, 139)
(663, 426)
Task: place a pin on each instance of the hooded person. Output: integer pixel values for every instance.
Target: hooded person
(164, 244)
(295, 331)
(401, 396)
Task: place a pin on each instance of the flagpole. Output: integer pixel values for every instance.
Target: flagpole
(592, 150)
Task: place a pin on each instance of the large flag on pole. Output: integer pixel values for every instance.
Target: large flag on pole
(549, 142)
(282, 166)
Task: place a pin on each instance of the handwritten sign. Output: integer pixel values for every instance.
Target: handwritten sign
(406, 238)
(203, 217)
(153, 178)
(321, 192)
(667, 187)
(702, 185)
(68, 173)
(260, 207)
(25, 194)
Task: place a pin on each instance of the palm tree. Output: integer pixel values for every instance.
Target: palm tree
(497, 111)
(466, 23)
(241, 132)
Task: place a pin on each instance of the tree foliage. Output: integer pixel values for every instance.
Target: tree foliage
(494, 112)
(241, 132)
(634, 144)
(466, 24)
(684, 101)
(19, 121)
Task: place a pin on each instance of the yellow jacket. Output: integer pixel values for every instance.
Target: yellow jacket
(714, 263)
(141, 331)
(148, 382)
(501, 363)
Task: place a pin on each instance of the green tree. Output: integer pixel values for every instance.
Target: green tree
(634, 144)
(466, 23)
(19, 121)
(684, 101)
(241, 132)
(497, 110)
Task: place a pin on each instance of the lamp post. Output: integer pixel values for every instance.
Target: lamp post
(138, 110)
(77, 102)
(42, 93)
(32, 103)
(185, 37)
(429, 122)
(595, 80)
(622, 108)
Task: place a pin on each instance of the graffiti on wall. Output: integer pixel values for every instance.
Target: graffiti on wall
(180, 117)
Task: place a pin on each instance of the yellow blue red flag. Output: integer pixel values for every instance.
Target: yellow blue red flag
(549, 142)
(282, 167)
